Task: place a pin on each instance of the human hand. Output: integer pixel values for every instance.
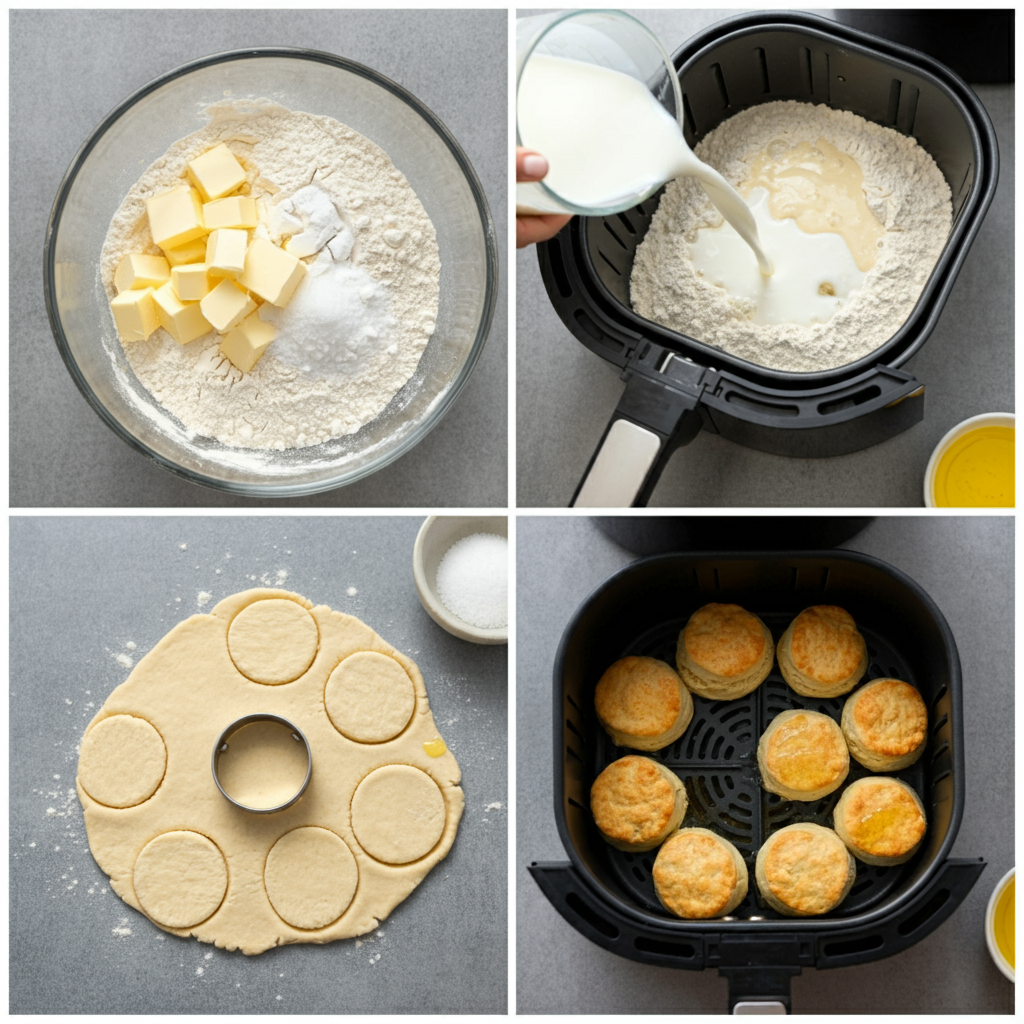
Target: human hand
(535, 227)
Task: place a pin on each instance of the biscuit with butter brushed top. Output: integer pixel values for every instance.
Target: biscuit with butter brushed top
(822, 654)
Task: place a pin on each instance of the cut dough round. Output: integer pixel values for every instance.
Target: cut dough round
(311, 877)
(273, 641)
(370, 697)
(122, 761)
(180, 879)
(398, 814)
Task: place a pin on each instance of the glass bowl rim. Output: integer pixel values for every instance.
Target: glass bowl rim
(271, 489)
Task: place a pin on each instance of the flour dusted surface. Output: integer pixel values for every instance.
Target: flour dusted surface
(904, 188)
(278, 405)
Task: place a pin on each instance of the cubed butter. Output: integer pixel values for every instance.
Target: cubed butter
(175, 217)
(190, 252)
(216, 173)
(183, 321)
(270, 272)
(226, 306)
(191, 282)
(225, 252)
(245, 345)
(135, 314)
(139, 271)
(233, 212)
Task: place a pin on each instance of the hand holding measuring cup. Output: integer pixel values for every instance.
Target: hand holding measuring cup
(532, 228)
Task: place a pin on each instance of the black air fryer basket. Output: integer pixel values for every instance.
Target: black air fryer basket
(608, 894)
(677, 385)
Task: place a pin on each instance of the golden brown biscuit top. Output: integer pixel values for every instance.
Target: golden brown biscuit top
(695, 875)
(639, 696)
(882, 818)
(825, 645)
(806, 869)
(890, 717)
(724, 639)
(632, 800)
(807, 751)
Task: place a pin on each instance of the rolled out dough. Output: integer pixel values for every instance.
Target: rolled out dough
(197, 865)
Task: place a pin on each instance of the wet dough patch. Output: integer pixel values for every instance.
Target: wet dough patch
(311, 877)
(122, 761)
(370, 697)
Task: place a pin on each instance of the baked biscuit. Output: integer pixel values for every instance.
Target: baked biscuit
(637, 803)
(802, 756)
(803, 870)
(881, 820)
(821, 654)
(642, 703)
(699, 874)
(724, 652)
(886, 725)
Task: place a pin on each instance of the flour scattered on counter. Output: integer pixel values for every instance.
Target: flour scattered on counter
(122, 930)
(123, 660)
(200, 971)
(203, 598)
(351, 591)
(183, 546)
(496, 806)
(131, 645)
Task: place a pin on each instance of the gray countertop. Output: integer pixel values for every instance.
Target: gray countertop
(453, 61)
(966, 565)
(86, 591)
(565, 394)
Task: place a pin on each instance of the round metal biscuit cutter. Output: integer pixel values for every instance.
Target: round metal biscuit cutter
(222, 745)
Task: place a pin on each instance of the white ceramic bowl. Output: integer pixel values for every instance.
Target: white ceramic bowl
(986, 419)
(436, 536)
(990, 913)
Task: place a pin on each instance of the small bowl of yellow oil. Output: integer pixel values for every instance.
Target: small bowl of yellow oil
(973, 465)
(999, 924)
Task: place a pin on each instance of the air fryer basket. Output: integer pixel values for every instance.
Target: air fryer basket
(608, 894)
(734, 65)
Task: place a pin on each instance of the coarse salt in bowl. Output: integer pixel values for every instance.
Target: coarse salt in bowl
(460, 565)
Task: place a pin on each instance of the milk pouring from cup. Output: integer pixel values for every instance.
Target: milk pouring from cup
(608, 140)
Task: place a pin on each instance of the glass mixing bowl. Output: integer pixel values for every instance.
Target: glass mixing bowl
(139, 131)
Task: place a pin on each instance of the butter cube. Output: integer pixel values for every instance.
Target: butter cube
(225, 252)
(216, 173)
(191, 282)
(233, 212)
(183, 321)
(245, 345)
(175, 217)
(226, 306)
(270, 272)
(135, 314)
(190, 252)
(138, 271)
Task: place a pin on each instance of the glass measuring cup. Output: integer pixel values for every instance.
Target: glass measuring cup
(609, 39)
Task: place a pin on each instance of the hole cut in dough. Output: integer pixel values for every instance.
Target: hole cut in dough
(273, 641)
(370, 697)
(122, 761)
(398, 814)
(310, 877)
(180, 879)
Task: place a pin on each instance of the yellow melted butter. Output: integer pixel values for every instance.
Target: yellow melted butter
(873, 827)
(977, 470)
(822, 189)
(1003, 923)
(435, 747)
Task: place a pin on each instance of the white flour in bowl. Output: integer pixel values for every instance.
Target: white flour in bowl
(309, 386)
(904, 189)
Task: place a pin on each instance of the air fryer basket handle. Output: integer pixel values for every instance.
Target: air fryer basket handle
(651, 421)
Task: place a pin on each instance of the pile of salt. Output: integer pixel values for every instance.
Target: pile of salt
(472, 580)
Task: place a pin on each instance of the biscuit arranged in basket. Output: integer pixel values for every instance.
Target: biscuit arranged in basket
(803, 870)
(698, 874)
(724, 652)
(822, 654)
(881, 821)
(886, 725)
(802, 756)
(637, 803)
(642, 703)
